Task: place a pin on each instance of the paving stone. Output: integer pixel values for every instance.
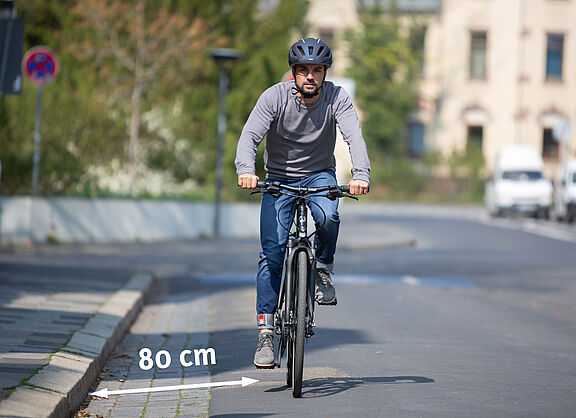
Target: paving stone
(171, 323)
(102, 325)
(86, 343)
(60, 375)
(33, 402)
(41, 307)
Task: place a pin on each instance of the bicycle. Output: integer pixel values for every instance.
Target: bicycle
(294, 317)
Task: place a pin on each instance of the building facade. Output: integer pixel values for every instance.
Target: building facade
(500, 72)
(495, 72)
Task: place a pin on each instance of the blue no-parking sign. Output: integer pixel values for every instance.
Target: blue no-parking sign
(40, 65)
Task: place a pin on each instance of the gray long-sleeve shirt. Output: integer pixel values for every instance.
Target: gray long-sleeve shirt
(300, 138)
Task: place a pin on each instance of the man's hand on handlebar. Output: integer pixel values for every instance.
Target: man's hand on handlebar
(248, 181)
(358, 187)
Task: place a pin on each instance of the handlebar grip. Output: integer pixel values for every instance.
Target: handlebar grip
(345, 189)
(261, 184)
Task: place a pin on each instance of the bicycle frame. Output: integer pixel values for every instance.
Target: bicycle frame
(297, 242)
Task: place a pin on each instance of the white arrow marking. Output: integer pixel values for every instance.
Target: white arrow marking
(104, 393)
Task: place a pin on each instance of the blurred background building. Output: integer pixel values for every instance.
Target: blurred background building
(495, 72)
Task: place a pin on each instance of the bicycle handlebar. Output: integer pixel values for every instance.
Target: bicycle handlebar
(334, 191)
(299, 189)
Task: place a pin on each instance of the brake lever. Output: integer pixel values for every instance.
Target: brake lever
(256, 192)
(336, 194)
(350, 196)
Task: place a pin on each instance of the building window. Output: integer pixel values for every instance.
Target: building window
(417, 41)
(416, 132)
(478, 43)
(549, 146)
(327, 36)
(554, 57)
(475, 139)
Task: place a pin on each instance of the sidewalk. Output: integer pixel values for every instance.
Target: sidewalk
(59, 321)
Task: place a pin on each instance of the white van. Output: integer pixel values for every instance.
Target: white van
(565, 191)
(517, 184)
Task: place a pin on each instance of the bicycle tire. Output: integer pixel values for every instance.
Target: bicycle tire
(289, 350)
(300, 334)
(289, 362)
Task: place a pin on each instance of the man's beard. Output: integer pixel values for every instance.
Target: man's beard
(307, 94)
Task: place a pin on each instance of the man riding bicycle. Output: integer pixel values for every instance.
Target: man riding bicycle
(299, 121)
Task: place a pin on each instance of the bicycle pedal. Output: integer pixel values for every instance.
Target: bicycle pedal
(331, 303)
(265, 367)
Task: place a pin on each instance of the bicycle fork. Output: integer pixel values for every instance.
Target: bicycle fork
(303, 240)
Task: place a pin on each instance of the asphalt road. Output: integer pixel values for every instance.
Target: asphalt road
(477, 319)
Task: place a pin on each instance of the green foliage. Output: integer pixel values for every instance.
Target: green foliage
(86, 109)
(466, 171)
(426, 179)
(386, 56)
(399, 178)
(384, 65)
(73, 128)
(265, 42)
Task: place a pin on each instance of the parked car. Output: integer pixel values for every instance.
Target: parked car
(565, 191)
(517, 184)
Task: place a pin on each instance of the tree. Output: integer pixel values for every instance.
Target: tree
(385, 65)
(87, 117)
(136, 49)
(73, 129)
(265, 38)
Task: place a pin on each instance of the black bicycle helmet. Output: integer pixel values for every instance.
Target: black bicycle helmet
(310, 51)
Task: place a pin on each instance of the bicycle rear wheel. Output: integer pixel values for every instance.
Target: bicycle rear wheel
(300, 332)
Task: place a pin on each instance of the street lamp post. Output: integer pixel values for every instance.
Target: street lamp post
(222, 56)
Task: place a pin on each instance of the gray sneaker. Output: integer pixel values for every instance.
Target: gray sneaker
(325, 292)
(264, 356)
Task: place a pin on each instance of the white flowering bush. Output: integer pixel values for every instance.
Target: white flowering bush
(114, 179)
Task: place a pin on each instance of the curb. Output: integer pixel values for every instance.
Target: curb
(59, 388)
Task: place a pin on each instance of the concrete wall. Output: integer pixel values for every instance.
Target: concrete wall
(109, 220)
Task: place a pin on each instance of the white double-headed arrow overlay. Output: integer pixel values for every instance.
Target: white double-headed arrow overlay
(104, 393)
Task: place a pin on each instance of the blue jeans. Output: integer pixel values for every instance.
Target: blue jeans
(273, 237)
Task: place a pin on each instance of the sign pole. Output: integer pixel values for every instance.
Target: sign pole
(40, 65)
(222, 92)
(222, 56)
(37, 140)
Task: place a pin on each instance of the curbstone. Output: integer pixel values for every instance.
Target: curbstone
(81, 342)
(63, 374)
(59, 388)
(28, 402)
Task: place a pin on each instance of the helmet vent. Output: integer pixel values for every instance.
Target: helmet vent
(301, 50)
(320, 50)
(310, 50)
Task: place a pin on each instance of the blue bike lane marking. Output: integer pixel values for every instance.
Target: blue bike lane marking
(407, 280)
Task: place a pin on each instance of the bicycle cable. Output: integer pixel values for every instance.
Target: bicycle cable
(308, 199)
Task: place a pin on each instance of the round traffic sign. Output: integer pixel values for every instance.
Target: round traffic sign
(40, 65)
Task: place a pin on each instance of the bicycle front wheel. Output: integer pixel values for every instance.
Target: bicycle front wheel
(300, 334)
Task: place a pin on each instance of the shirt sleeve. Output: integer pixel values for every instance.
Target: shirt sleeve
(254, 130)
(349, 125)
